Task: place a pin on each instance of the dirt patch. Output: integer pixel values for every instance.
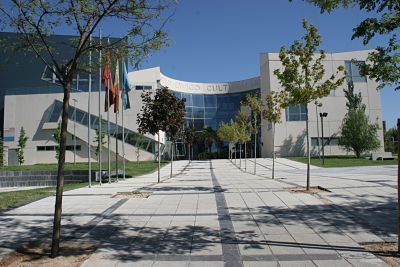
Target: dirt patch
(135, 194)
(313, 190)
(71, 254)
(385, 251)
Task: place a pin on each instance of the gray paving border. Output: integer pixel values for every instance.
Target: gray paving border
(230, 248)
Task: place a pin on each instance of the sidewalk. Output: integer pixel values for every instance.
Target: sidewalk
(211, 214)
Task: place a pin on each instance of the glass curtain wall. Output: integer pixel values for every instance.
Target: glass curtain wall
(206, 110)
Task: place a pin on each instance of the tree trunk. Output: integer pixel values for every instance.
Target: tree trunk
(189, 152)
(240, 156)
(308, 152)
(273, 153)
(172, 157)
(55, 245)
(398, 184)
(159, 158)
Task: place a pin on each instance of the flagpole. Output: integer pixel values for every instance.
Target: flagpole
(123, 129)
(108, 128)
(116, 141)
(100, 120)
(89, 115)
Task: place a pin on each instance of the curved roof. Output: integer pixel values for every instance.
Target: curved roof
(210, 88)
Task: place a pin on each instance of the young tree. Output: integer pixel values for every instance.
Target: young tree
(57, 136)
(225, 133)
(256, 105)
(157, 115)
(208, 136)
(175, 119)
(141, 25)
(188, 136)
(242, 131)
(357, 134)
(354, 101)
(100, 137)
(21, 145)
(302, 77)
(272, 114)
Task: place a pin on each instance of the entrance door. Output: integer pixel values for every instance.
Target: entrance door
(12, 157)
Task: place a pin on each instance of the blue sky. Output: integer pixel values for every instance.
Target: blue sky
(220, 40)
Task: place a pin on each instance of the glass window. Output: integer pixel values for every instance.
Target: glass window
(56, 112)
(198, 113)
(198, 100)
(210, 113)
(188, 98)
(353, 71)
(296, 113)
(210, 101)
(328, 141)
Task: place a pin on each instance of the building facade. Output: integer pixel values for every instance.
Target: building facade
(38, 110)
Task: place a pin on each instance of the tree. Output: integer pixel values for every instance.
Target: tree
(225, 133)
(208, 137)
(100, 137)
(357, 134)
(256, 105)
(391, 140)
(272, 113)
(21, 145)
(57, 137)
(188, 136)
(383, 64)
(174, 120)
(242, 131)
(302, 77)
(157, 115)
(142, 24)
(354, 101)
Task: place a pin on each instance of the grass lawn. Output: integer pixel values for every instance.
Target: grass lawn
(344, 161)
(132, 168)
(18, 198)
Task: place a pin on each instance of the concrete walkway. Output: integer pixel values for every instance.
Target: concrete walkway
(211, 213)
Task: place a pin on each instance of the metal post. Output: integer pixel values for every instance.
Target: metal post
(74, 130)
(316, 114)
(123, 126)
(398, 184)
(108, 128)
(89, 114)
(255, 144)
(322, 115)
(116, 144)
(323, 141)
(100, 117)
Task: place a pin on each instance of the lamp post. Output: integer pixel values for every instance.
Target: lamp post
(322, 115)
(74, 130)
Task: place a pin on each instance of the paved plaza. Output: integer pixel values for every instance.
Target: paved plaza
(213, 213)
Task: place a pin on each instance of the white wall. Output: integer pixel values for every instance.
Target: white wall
(289, 135)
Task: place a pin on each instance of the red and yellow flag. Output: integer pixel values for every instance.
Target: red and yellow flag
(116, 87)
(108, 83)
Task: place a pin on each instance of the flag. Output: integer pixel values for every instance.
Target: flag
(116, 87)
(127, 88)
(107, 81)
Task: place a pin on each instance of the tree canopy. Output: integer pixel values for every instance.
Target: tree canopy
(383, 64)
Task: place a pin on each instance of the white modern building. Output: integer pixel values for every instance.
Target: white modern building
(37, 108)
